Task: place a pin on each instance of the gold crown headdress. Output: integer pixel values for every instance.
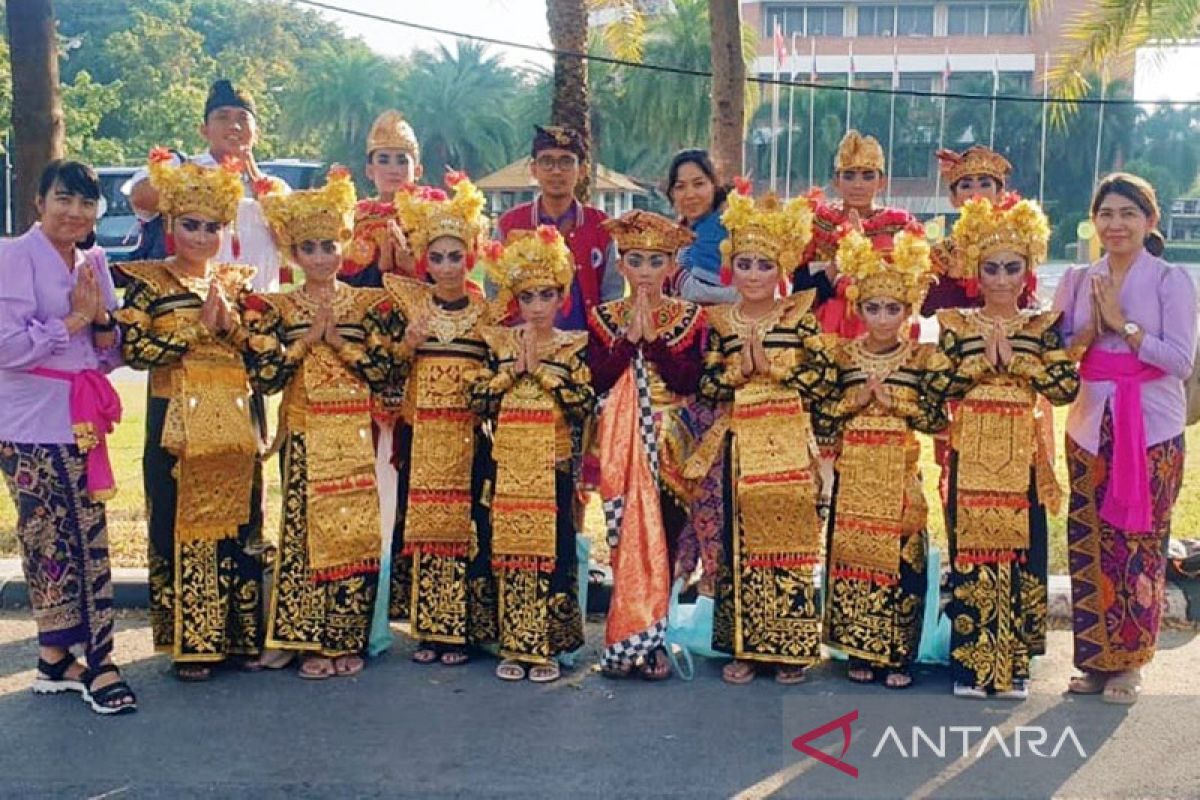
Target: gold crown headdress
(190, 188)
(313, 214)
(427, 214)
(975, 160)
(529, 260)
(392, 131)
(859, 152)
(984, 229)
(778, 230)
(902, 273)
(645, 230)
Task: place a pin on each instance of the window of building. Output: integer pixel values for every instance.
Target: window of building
(966, 20)
(804, 20)
(914, 21)
(1007, 19)
(790, 19)
(876, 20)
(824, 21)
(987, 19)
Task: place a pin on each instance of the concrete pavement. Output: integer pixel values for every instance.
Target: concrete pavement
(403, 730)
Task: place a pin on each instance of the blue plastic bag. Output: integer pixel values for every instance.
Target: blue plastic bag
(935, 627)
(690, 631)
(583, 556)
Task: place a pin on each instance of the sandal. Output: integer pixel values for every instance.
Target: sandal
(738, 673)
(1087, 683)
(1123, 689)
(1019, 691)
(316, 668)
(275, 659)
(192, 673)
(52, 678)
(545, 673)
(426, 654)
(111, 700)
(898, 679)
(969, 691)
(509, 670)
(789, 674)
(860, 671)
(617, 673)
(454, 657)
(348, 666)
(657, 666)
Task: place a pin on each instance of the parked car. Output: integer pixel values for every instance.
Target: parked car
(117, 228)
(298, 174)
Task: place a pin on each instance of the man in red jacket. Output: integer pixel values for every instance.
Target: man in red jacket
(557, 157)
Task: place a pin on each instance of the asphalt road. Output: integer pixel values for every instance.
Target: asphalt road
(403, 730)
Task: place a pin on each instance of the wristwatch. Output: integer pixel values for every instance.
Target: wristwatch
(1130, 329)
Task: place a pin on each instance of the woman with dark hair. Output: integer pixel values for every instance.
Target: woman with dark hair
(698, 197)
(57, 337)
(1131, 319)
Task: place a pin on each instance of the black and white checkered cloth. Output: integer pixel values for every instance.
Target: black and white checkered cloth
(646, 412)
(635, 649)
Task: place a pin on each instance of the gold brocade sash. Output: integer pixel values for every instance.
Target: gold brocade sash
(443, 448)
(524, 512)
(995, 439)
(208, 428)
(776, 486)
(870, 516)
(343, 511)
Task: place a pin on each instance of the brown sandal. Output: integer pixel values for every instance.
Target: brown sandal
(510, 670)
(454, 657)
(545, 673)
(425, 654)
(192, 673)
(348, 666)
(657, 666)
(739, 673)
(1087, 683)
(789, 674)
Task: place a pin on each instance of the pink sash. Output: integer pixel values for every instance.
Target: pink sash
(95, 409)
(1126, 505)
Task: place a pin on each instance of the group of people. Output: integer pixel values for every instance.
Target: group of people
(741, 385)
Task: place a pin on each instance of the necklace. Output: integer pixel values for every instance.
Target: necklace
(880, 365)
(447, 325)
(196, 284)
(1010, 324)
(743, 325)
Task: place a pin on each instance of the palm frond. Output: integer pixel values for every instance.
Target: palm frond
(625, 35)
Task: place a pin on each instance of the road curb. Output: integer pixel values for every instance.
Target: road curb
(130, 591)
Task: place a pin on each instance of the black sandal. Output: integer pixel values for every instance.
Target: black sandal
(859, 665)
(52, 678)
(116, 698)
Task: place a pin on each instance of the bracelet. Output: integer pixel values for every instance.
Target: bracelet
(67, 319)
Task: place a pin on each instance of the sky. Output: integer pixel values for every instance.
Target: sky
(1161, 74)
(512, 20)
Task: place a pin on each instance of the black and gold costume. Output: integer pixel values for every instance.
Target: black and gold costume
(327, 563)
(441, 553)
(1001, 482)
(538, 422)
(875, 563)
(766, 603)
(203, 478)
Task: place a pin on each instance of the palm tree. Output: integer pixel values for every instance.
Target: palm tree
(337, 98)
(568, 21)
(461, 104)
(37, 115)
(728, 85)
(1112, 29)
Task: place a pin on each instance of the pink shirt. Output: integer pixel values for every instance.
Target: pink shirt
(1159, 297)
(35, 295)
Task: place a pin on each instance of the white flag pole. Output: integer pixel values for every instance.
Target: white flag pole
(812, 111)
(937, 192)
(892, 118)
(787, 176)
(1045, 112)
(995, 91)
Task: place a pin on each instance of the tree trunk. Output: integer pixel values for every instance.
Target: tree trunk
(728, 87)
(37, 115)
(568, 21)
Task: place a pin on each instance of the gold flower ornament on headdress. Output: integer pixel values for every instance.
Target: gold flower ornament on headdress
(313, 214)
(190, 188)
(859, 152)
(645, 230)
(983, 230)
(778, 230)
(428, 214)
(529, 260)
(902, 273)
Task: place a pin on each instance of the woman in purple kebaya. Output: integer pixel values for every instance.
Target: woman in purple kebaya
(57, 338)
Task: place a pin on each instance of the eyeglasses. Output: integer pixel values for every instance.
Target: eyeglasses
(561, 163)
